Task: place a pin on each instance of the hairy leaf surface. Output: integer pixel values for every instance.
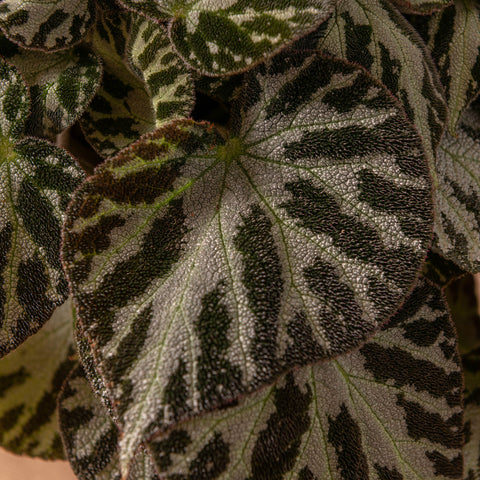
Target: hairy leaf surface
(36, 181)
(202, 269)
(61, 85)
(375, 35)
(457, 202)
(145, 84)
(30, 381)
(391, 410)
(454, 40)
(46, 25)
(220, 38)
(91, 438)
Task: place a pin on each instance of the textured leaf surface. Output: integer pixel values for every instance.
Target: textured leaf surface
(375, 35)
(145, 84)
(36, 182)
(203, 269)
(422, 6)
(46, 25)
(391, 410)
(454, 40)
(61, 84)
(226, 37)
(30, 381)
(14, 106)
(457, 224)
(91, 438)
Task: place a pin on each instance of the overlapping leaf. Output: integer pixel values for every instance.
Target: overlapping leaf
(202, 268)
(454, 40)
(391, 410)
(61, 84)
(46, 25)
(145, 84)
(221, 38)
(375, 35)
(30, 381)
(36, 181)
(91, 438)
(457, 225)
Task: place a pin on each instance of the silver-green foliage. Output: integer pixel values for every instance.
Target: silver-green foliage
(36, 182)
(202, 268)
(145, 84)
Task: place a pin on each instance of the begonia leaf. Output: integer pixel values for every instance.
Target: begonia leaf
(46, 25)
(30, 381)
(391, 410)
(145, 84)
(221, 38)
(202, 268)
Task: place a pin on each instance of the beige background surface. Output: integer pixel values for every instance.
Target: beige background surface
(14, 467)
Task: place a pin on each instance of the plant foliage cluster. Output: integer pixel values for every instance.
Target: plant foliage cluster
(258, 279)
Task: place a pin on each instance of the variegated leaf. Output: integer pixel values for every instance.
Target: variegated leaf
(30, 381)
(220, 38)
(375, 35)
(202, 269)
(61, 84)
(36, 181)
(389, 411)
(454, 40)
(145, 84)
(423, 7)
(91, 438)
(14, 107)
(46, 25)
(457, 200)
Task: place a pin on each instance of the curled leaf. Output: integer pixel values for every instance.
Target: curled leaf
(145, 84)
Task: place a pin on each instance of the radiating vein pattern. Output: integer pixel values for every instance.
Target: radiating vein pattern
(204, 268)
(457, 224)
(30, 380)
(225, 37)
(91, 438)
(50, 25)
(454, 40)
(375, 35)
(145, 84)
(390, 410)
